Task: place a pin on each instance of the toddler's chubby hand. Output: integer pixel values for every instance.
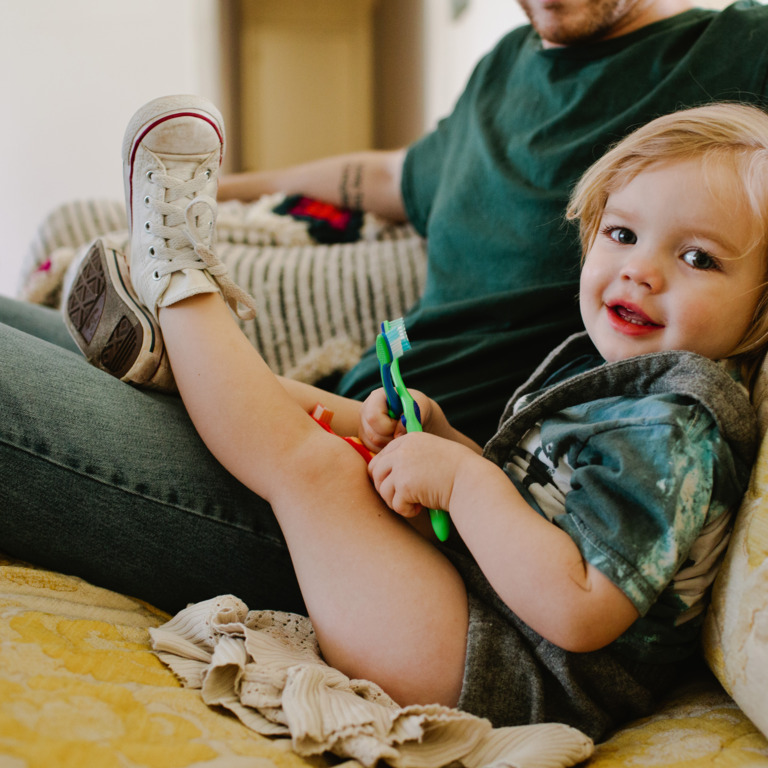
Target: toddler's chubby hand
(377, 429)
(417, 471)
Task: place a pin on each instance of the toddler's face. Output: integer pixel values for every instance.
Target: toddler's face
(675, 265)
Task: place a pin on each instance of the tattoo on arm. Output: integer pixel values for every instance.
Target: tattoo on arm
(351, 186)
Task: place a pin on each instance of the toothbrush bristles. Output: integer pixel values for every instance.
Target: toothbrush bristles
(397, 338)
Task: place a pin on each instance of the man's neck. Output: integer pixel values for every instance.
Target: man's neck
(649, 12)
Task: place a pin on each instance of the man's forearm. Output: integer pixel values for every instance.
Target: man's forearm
(368, 181)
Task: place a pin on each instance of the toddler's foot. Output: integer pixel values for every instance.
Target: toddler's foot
(172, 151)
(113, 329)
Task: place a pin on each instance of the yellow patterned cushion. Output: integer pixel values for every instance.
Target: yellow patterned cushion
(699, 727)
(79, 686)
(736, 629)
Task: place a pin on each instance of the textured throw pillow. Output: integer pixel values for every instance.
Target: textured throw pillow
(736, 629)
(320, 303)
(320, 306)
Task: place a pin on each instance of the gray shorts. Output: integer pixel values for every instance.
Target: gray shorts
(513, 676)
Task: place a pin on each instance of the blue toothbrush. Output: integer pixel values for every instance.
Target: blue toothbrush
(391, 344)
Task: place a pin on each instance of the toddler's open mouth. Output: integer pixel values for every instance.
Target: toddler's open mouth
(630, 319)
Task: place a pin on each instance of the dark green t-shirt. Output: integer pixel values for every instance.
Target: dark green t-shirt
(488, 189)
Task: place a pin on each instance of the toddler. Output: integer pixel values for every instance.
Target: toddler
(587, 532)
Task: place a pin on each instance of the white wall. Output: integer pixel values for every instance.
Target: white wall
(454, 46)
(73, 72)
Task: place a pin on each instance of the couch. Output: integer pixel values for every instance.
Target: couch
(79, 682)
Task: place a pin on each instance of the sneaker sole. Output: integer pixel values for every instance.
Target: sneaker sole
(159, 111)
(114, 332)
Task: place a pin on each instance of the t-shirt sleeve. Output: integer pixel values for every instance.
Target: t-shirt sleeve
(426, 159)
(640, 494)
(421, 176)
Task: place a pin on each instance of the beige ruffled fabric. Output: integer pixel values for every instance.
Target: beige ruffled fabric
(265, 667)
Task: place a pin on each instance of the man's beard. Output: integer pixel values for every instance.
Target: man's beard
(586, 24)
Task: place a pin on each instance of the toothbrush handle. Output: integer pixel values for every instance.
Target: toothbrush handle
(411, 417)
(441, 523)
(384, 355)
(401, 404)
(393, 399)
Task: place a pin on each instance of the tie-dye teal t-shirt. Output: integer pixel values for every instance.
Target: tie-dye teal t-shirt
(645, 484)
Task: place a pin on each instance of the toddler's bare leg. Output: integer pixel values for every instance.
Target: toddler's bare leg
(386, 604)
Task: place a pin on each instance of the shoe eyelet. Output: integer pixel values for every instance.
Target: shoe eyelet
(147, 201)
(152, 251)
(207, 173)
(147, 226)
(155, 275)
(150, 174)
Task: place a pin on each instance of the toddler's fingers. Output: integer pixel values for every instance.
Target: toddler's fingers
(377, 431)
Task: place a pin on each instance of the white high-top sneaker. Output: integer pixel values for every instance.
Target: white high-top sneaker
(111, 326)
(172, 150)
(171, 155)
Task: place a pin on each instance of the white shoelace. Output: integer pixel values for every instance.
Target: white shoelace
(187, 232)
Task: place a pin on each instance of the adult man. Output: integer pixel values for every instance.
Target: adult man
(489, 187)
(112, 483)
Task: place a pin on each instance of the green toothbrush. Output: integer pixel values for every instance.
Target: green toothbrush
(391, 344)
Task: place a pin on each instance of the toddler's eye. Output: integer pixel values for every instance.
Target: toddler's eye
(622, 235)
(699, 259)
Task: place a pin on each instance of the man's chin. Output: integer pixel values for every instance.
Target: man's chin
(569, 22)
(559, 32)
